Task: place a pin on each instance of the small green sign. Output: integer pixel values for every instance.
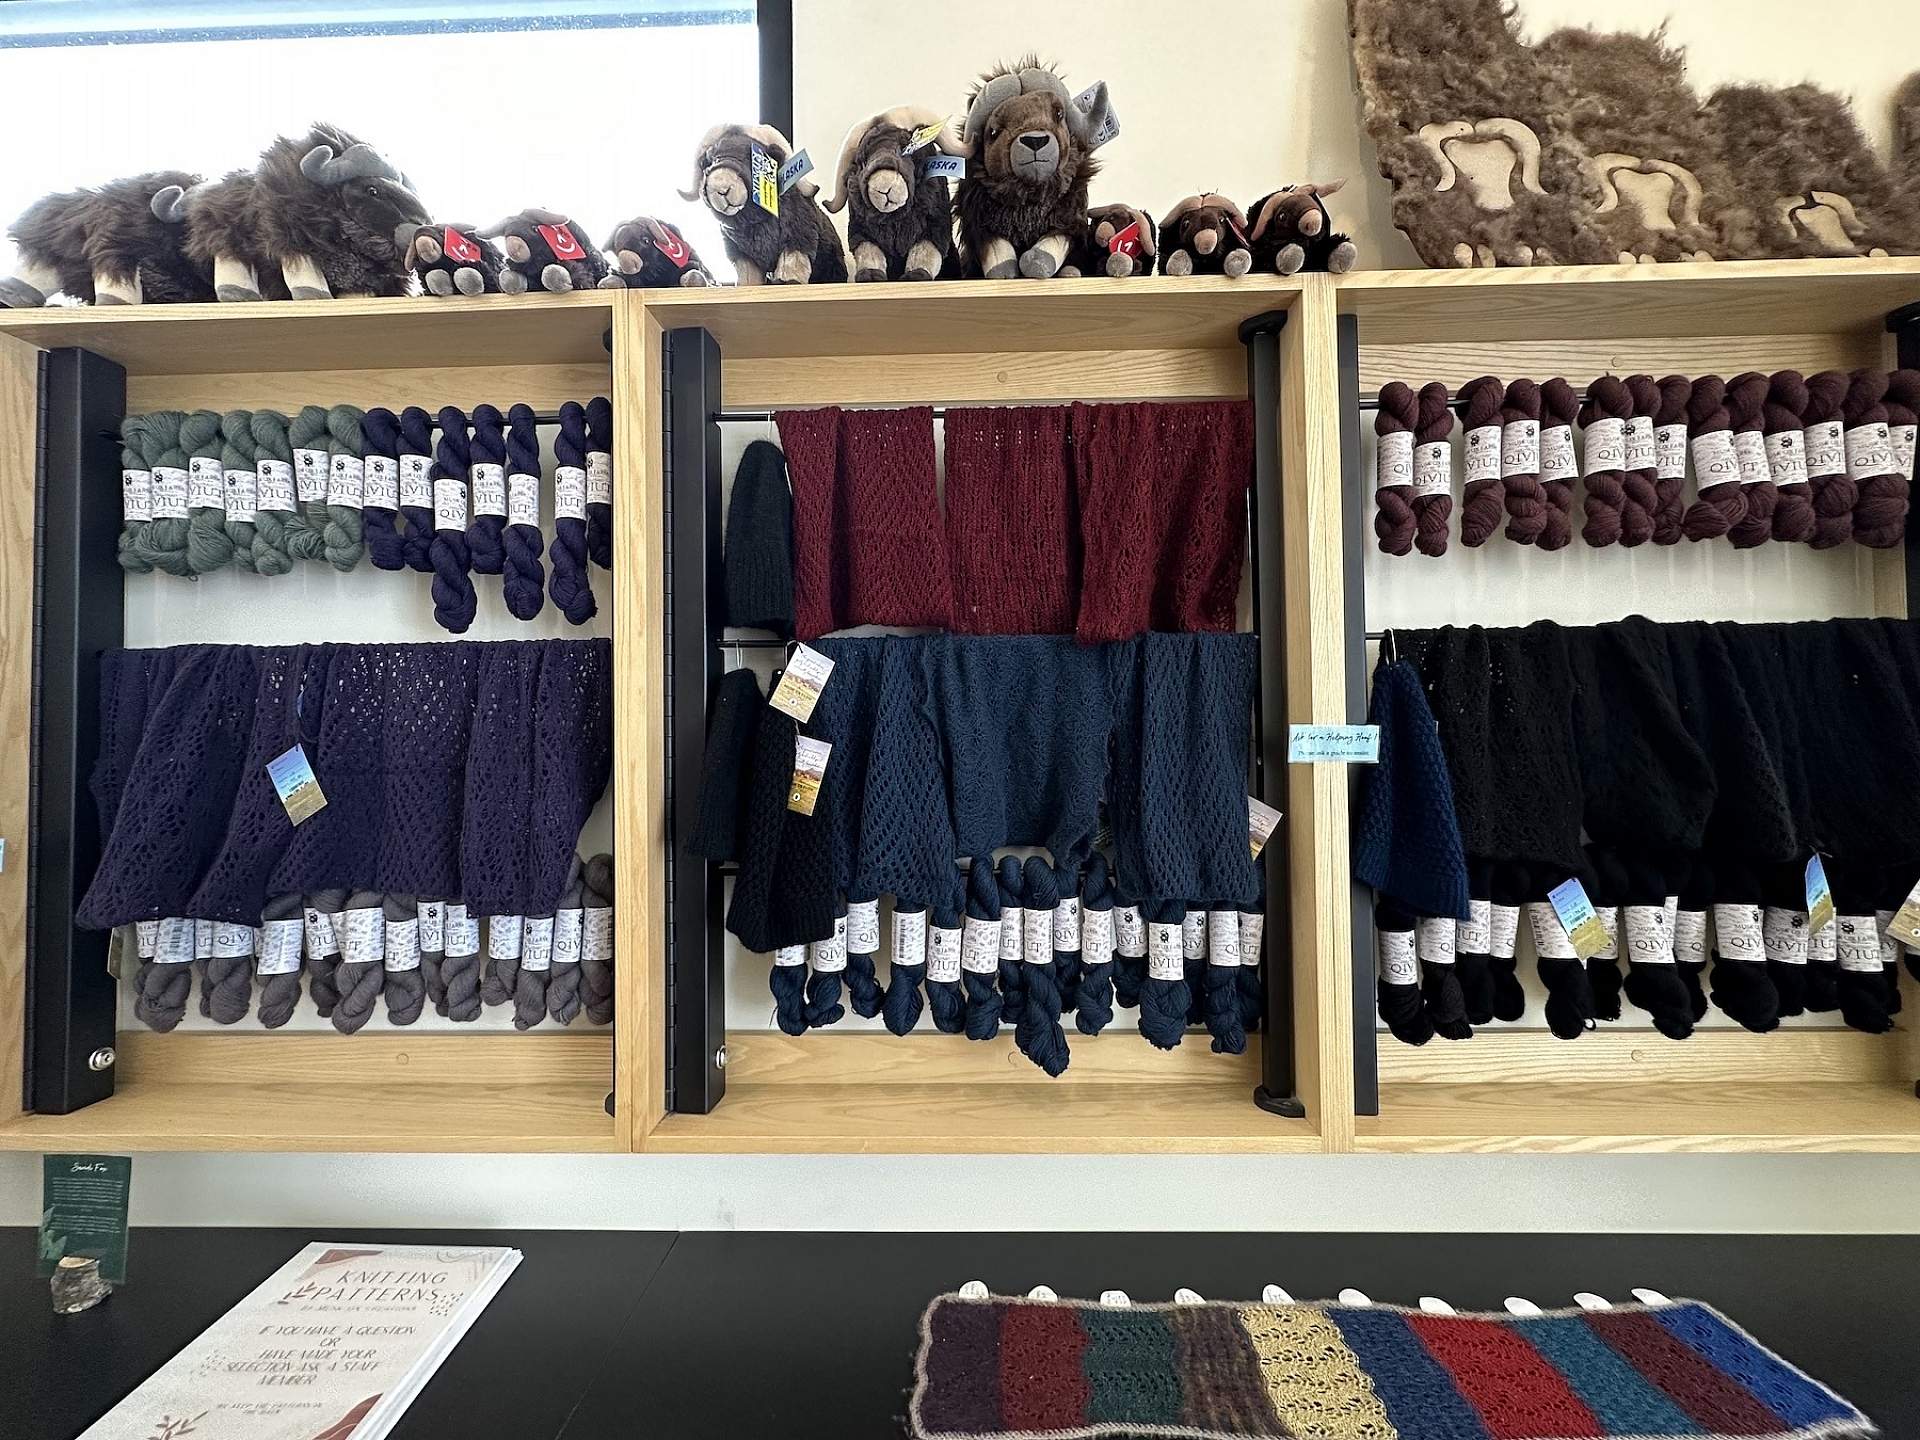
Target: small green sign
(83, 1211)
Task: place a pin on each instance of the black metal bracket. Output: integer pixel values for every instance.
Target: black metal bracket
(76, 615)
(1278, 1090)
(695, 609)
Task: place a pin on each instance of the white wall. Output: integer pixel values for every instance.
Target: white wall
(1238, 97)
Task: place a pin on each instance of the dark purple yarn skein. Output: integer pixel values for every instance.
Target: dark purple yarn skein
(454, 601)
(380, 436)
(416, 488)
(600, 481)
(524, 582)
(569, 586)
(487, 485)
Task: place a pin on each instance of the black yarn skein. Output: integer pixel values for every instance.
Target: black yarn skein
(571, 591)
(1786, 945)
(983, 999)
(946, 999)
(1400, 1002)
(1605, 880)
(1436, 943)
(1507, 889)
(524, 580)
(280, 994)
(1066, 936)
(1253, 929)
(454, 600)
(1164, 996)
(1193, 961)
(863, 943)
(1653, 981)
(826, 965)
(1129, 949)
(600, 512)
(415, 447)
(1473, 953)
(1095, 992)
(380, 435)
(1223, 973)
(1858, 985)
(486, 533)
(1569, 989)
(906, 969)
(361, 976)
(406, 988)
(1692, 968)
(1038, 1033)
(1011, 886)
(1751, 948)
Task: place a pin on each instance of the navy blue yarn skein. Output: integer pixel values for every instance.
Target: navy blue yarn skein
(1223, 980)
(863, 943)
(600, 512)
(787, 979)
(416, 439)
(826, 963)
(984, 1001)
(906, 969)
(1129, 948)
(946, 999)
(380, 436)
(1038, 1033)
(1012, 888)
(454, 601)
(486, 534)
(1164, 996)
(1193, 960)
(569, 586)
(1095, 994)
(524, 582)
(1253, 929)
(1066, 963)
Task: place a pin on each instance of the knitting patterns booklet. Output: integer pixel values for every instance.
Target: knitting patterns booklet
(334, 1346)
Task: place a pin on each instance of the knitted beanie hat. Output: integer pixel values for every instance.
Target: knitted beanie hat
(759, 555)
(1163, 515)
(737, 707)
(1013, 524)
(869, 547)
(1407, 841)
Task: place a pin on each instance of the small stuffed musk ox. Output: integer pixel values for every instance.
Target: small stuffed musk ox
(1205, 235)
(110, 246)
(320, 215)
(1023, 201)
(899, 217)
(1120, 242)
(455, 259)
(796, 246)
(1292, 231)
(650, 254)
(544, 250)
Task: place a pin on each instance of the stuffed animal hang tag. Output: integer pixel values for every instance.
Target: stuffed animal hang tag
(560, 240)
(766, 181)
(925, 135)
(1109, 127)
(669, 244)
(458, 247)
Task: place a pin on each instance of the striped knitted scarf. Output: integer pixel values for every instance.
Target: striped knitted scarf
(1013, 1369)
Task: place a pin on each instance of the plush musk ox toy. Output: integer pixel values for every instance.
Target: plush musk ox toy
(110, 246)
(455, 260)
(1023, 201)
(1292, 231)
(899, 213)
(544, 249)
(320, 215)
(1120, 242)
(649, 254)
(1205, 235)
(792, 243)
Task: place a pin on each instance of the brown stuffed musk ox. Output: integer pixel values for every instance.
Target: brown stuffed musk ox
(1023, 201)
(1205, 235)
(798, 246)
(110, 246)
(899, 216)
(1131, 256)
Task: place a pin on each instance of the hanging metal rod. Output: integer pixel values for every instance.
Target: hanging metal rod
(540, 418)
(754, 417)
(1372, 402)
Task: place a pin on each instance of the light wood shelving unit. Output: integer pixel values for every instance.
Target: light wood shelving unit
(1013, 342)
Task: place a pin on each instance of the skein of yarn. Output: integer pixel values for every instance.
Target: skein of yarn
(460, 969)
(163, 544)
(164, 982)
(209, 547)
(536, 966)
(1398, 986)
(1129, 949)
(309, 438)
(980, 951)
(1093, 1011)
(1253, 927)
(1393, 427)
(1783, 428)
(863, 943)
(404, 988)
(1432, 469)
(569, 586)
(1559, 408)
(1436, 944)
(1164, 996)
(1507, 889)
(1480, 404)
(343, 539)
(415, 445)
(1747, 408)
(787, 982)
(1605, 880)
(1223, 978)
(323, 948)
(277, 508)
(1834, 492)
(826, 965)
(1569, 1008)
(1603, 421)
(454, 601)
(1640, 480)
(1038, 1034)
(226, 989)
(506, 939)
(525, 579)
(563, 980)
(136, 496)
(1670, 456)
(361, 976)
(1193, 962)
(1750, 947)
(1689, 960)
(1880, 506)
(1722, 501)
(907, 969)
(1858, 981)
(596, 940)
(487, 487)
(240, 484)
(1473, 945)
(1526, 497)
(1653, 978)
(600, 481)
(380, 500)
(1903, 425)
(1823, 968)
(1011, 887)
(433, 951)
(946, 1000)
(282, 927)
(1066, 936)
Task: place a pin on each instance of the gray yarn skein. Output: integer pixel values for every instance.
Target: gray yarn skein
(503, 971)
(360, 980)
(461, 972)
(163, 544)
(431, 961)
(563, 981)
(271, 528)
(344, 536)
(596, 974)
(226, 988)
(163, 990)
(406, 990)
(133, 557)
(279, 994)
(307, 534)
(238, 452)
(322, 969)
(530, 985)
(209, 547)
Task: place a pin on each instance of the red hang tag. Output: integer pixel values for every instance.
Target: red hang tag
(1126, 242)
(669, 244)
(459, 247)
(560, 240)
(1238, 233)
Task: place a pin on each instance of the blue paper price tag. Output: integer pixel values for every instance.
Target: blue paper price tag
(1578, 918)
(945, 166)
(294, 782)
(1336, 744)
(796, 169)
(1819, 897)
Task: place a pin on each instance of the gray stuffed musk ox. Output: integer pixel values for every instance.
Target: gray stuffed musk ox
(650, 254)
(544, 250)
(899, 214)
(455, 259)
(796, 246)
(1023, 200)
(110, 246)
(320, 215)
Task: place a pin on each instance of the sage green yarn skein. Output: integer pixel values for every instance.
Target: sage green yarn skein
(344, 535)
(306, 536)
(163, 546)
(209, 547)
(237, 453)
(271, 528)
(133, 556)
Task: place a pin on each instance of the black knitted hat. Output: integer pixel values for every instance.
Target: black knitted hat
(730, 732)
(759, 555)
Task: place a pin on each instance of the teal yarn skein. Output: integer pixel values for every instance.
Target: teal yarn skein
(275, 516)
(209, 547)
(307, 531)
(239, 472)
(163, 544)
(343, 537)
(133, 556)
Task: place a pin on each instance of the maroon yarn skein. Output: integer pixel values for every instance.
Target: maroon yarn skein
(1640, 479)
(1393, 521)
(1603, 420)
(1833, 488)
(1481, 505)
(1722, 503)
(1880, 511)
(1559, 408)
(1784, 428)
(1670, 480)
(1746, 407)
(1520, 463)
(1903, 420)
(1433, 510)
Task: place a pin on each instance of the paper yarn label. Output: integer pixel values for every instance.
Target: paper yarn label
(523, 500)
(596, 935)
(599, 478)
(1819, 896)
(909, 937)
(943, 956)
(1821, 945)
(810, 758)
(206, 486)
(1557, 459)
(1013, 932)
(274, 485)
(1483, 453)
(173, 942)
(381, 479)
(1690, 937)
(1504, 925)
(569, 493)
(136, 495)
(294, 782)
(1096, 936)
(1129, 932)
(347, 482)
(1520, 447)
(1193, 935)
(1437, 939)
(1858, 943)
(982, 953)
(829, 956)
(416, 482)
(1262, 819)
(1643, 449)
(1906, 438)
(1433, 468)
(1609, 922)
(790, 957)
(403, 946)
(1398, 964)
(1066, 924)
(240, 492)
(506, 936)
(1393, 460)
(1038, 945)
(1550, 940)
(1475, 934)
(1606, 445)
(279, 948)
(805, 676)
(310, 476)
(1578, 918)
(1744, 932)
(146, 933)
(433, 927)
(1750, 453)
(1670, 451)
(1165, 955)
(1826, 448)
(232, 941)
(537, 948)
(1253, 928)
(1905, 925)
(463, 931)
(567, 928)
(1714, 462)
(1869, 451)
(488, 484)
(1787, 457)
(449, 504)
(203, 939)
(169, 493)
(863, 927)
(1649, 934)
(1223, 937)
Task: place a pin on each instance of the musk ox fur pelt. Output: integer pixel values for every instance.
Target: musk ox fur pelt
(1205, 235)
(545, 250)
(1022, 203)
(455, 259)
(107, 245)
(796, 246)
(650, 254)
(899, 216)
(1098, 255)
(1293, 231)
(321, 214)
